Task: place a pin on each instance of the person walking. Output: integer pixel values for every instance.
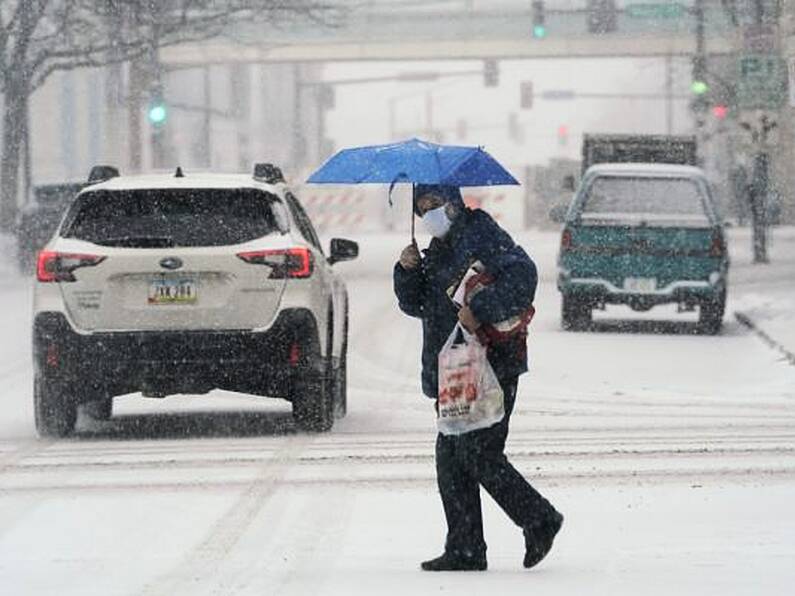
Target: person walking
(424, 284)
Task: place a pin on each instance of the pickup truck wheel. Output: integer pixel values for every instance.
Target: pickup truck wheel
(313, 401)
(54, 409)
(575, 314)
(101, 409)
(710, 315)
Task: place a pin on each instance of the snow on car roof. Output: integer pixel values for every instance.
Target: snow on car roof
(646, 169)
(188, 181)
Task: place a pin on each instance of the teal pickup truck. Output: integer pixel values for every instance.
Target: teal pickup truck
(643, 234)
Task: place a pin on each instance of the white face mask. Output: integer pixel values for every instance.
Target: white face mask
(436, 222)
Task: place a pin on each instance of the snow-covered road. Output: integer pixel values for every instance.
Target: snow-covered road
(671, 454)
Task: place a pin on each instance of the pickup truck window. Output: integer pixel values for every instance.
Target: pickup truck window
(644, 198)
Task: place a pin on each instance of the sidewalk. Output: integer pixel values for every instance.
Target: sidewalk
(762, 297)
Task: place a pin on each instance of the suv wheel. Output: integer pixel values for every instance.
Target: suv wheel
(341, 388)
(101, 409)
(313, 401)
(575, 314)
(55, 410)
(710, 314)
(341, 377)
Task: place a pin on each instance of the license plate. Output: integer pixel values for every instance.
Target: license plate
(172, 291)
(642, 285)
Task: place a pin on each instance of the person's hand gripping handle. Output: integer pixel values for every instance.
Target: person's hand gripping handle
(410, 257)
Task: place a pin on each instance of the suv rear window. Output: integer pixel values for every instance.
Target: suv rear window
(644, 198)
(171, 217)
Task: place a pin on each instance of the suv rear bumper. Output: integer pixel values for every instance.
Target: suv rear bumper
(161, 363)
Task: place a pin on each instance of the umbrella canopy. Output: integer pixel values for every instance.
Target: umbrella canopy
(414, 161)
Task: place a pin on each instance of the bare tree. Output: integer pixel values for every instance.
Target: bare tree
(41, 37)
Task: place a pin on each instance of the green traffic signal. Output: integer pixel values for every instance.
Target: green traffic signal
(157, 113)
(699, 87)
(539, 31)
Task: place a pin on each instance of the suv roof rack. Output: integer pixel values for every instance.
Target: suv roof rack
(102, 173)
(267, 172)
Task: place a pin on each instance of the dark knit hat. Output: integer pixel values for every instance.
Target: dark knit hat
(451, 194)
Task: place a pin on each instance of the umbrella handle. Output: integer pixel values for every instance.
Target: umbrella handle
(413, 218)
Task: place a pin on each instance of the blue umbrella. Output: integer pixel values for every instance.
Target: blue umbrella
(414, 161)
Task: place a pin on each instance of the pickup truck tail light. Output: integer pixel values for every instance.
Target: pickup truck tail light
(717, 247)
(284, 262)
(60, 267)
(566, 243)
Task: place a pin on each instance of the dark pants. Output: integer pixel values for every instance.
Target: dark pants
(464, 462)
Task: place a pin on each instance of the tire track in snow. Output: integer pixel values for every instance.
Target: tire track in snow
(198, 566)
(319, 465)
(211, 556)
(609, 452)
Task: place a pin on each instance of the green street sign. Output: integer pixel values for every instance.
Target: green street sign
(655, 11)
(761, 82)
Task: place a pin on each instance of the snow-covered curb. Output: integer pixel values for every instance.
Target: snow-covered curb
(744, 319)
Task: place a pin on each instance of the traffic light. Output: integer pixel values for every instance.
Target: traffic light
(539, 20)
(720, 111)
(563, 135)
(701, 96)
(602, 16)
(699, 87)
(157, 113)
(491, 73)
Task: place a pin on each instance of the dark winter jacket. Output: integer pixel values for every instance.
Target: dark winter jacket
(423, 291)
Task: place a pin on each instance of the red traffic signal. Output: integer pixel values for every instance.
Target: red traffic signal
(563, 134)
(720, 111)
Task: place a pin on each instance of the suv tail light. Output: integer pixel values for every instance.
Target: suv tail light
(59, 266)
(718, 246)
(566, 242)
(284, 262)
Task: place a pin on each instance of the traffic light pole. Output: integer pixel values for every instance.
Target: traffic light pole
(758, 197)
(699, 105)
(134, 96)
(157, 131)
(760, 185)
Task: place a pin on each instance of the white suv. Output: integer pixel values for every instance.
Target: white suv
(184, 284)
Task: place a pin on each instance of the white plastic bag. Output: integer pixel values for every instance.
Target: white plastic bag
(470, 396)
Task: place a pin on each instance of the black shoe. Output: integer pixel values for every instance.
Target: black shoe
(456, 561)
(538, 539)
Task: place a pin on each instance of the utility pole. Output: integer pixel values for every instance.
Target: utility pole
(157, 133)
(299, 137)
(760, 184)
(700, 66)
(669, 95)
(207, 118)
(134, 96)
(429, 132)
(765, 15)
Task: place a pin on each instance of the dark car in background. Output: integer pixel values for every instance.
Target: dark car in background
(40, 218)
